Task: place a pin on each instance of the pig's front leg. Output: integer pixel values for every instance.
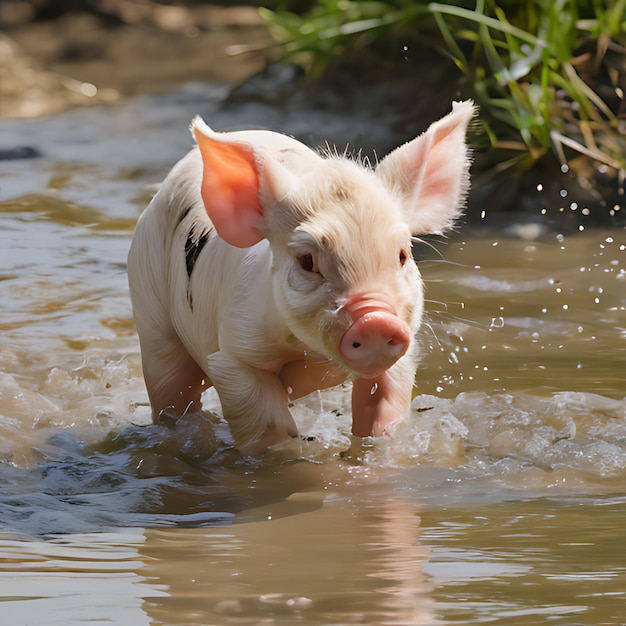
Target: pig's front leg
(378, 401)
(254, 402)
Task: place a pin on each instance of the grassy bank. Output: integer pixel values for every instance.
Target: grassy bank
(549, 75)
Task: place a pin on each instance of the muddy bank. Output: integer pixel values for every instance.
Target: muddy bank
(83, 58)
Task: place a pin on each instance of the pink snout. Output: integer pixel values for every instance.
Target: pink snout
(376, 339)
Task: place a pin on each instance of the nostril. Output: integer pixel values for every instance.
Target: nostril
(356, 344)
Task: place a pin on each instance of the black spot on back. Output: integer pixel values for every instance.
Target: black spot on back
(193, 247)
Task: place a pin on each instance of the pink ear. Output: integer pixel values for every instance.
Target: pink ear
(230, 187)
(431, 172)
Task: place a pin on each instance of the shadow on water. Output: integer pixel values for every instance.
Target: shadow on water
(149, 476)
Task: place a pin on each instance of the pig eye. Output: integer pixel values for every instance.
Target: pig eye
(308, 264)
(403, 257)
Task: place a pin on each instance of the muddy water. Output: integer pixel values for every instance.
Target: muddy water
(501, 500)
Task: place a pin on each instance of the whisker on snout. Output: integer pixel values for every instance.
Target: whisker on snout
(444, 316)
(422, 250)
(426, 325)
(448, 262)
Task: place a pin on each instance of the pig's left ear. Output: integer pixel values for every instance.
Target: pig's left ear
(431, 173)
(234, 177)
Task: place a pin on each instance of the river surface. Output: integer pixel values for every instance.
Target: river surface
(500, 500)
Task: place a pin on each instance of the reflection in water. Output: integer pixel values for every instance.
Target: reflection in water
(401, 559)
(347, 562)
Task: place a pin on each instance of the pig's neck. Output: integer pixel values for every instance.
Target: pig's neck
(253, 328)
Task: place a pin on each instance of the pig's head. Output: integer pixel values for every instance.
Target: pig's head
(340, 233)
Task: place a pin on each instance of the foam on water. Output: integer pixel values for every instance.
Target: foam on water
(101, 393)
(582, 432)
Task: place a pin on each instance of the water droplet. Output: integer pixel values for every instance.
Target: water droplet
(497, 322)
(88, 89)
(300, 602)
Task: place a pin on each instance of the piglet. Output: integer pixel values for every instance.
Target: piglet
(269, 271)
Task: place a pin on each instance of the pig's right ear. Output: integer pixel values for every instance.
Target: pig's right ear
(431, 173)
(234, 176)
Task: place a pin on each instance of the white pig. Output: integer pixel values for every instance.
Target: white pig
(269, 271)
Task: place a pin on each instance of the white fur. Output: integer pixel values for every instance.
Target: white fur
(250, 320)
